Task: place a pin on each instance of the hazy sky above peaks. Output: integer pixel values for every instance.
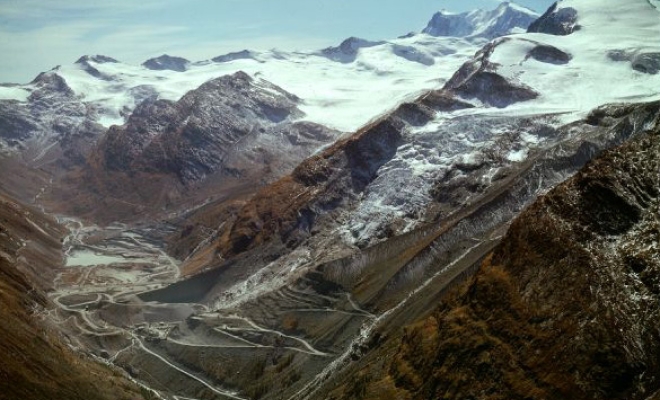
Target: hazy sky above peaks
(37, 35)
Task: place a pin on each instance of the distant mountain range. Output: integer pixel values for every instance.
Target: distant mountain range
(507, 18)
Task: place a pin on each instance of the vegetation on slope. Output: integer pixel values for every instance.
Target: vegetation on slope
(567, 306)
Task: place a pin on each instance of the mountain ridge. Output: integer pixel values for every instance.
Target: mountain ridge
(507, 18)
(511, 329)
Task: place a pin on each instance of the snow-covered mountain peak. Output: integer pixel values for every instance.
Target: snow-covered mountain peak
(166, 62)
(570, 68)
(348, 50)
(507, 18)
(509, 8)
(237, 55)
(98, 58)
(89, 64)
(631, 25)
(556, 20)
(50, 83)
(566, 16)
(342, 87)
(513, 6)
(613, 14)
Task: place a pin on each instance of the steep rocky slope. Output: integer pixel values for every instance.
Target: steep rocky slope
(192, 137)
(51, 123)
(230, 132)
(37, 363)
(556, 21)
(288, 270)
(299, 308)
(566, 306)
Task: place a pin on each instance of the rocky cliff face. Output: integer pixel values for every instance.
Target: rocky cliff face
(231, 129)
(85, 64)
(560, 21)
(479, 79)
(566, 305)
(51, 120)
(192, 137)
(167, 62)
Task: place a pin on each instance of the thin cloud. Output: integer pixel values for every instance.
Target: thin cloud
(36, 50)
(40, 8)
(205, 50)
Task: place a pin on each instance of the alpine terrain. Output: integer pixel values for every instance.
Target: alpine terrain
(468, 211)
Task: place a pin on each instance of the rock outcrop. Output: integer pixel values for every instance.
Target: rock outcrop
(479, 79)
(233, 128)
(558, 21)
(53, 116)
(197, 135)
(237, 55)
(167, 62)
(348, 50)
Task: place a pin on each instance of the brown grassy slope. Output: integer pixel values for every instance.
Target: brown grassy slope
(35, 364)
(568, 305)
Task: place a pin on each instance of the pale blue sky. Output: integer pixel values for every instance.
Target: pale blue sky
(36, 35)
